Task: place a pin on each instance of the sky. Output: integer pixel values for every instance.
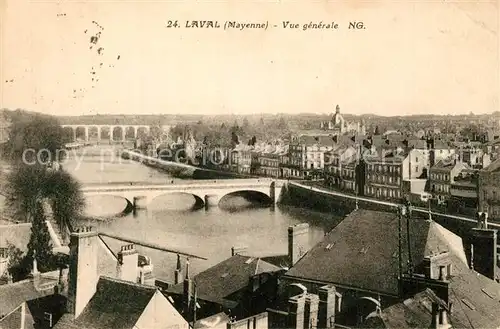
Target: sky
(413, 57)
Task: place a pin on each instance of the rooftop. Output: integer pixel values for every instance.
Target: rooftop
(368, 262)
(219, 282)
(116, 304)
(14, 294)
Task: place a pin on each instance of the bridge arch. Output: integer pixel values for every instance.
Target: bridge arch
(130, 132)
(107, 205)
(118, 133)
(142, 132)
(68, 134)
(177, 201)
(244, 199)
(94, 133)
(81, 133)
(106, 132)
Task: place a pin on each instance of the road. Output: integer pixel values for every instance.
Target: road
(391, 204)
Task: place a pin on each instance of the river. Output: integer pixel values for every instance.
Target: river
(208, 233)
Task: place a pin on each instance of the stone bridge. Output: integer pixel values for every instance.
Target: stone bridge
(208, 193)
(113, 132)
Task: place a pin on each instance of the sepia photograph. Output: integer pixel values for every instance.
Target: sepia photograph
(254, 164)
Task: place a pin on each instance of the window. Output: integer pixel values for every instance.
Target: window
(416, 159)
(416, 169)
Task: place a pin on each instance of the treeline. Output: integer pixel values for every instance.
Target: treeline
(227, 134)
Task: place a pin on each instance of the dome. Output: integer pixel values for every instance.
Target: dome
(337, 118)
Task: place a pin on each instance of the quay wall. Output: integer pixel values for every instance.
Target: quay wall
(176, 169)
(338, 204)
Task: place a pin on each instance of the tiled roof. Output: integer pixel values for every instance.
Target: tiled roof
(412, 313)
(475, 300)
(220, 281)
(14, 294)
(116, 304)
(368, 262)
(14, 319)
(443, 165)
(317, 140)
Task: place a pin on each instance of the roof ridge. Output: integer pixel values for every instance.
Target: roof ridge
(15, 225)
(129, 283)
(257, 266)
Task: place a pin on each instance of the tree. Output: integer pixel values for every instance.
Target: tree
(234, 139)
(23, 189)
(65, 197)
(40, 246)
(35, 135)
(28, 185)
(17, 265)
(31, 181)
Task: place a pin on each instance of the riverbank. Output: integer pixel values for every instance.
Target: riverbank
(180, 170)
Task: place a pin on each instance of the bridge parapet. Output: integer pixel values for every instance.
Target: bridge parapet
(142, 196)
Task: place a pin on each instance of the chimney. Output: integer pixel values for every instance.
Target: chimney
(298, 242)
(188, 291)
(128, 259)
(238, 250)
(484, 251)
(326, 310)
(437, 266)
(439, 316)
(83, 274)
(296, 306)
(311, 311)
(482, 220)
(178, 271)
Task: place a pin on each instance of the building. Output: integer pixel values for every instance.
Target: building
(439, 150)
(307, 155)
(335, 160)
(442, 176)
(464, 196)
(385, 171)
(269, 163)
(474, 156)
(241, 159)
(18, 236)
(338, 126)
(123, 304)
(489, 189)
(32, 303)
(374, 275)
(241, 286)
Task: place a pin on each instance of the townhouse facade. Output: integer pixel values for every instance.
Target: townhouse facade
(386, 171)
(269, 164)
(442, 176)
(335, 161)
(489, 190)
